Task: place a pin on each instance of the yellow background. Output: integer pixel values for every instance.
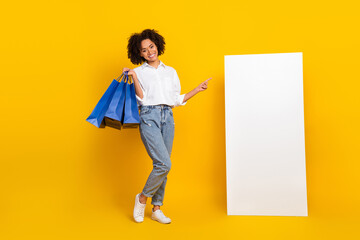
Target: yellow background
(62, 178)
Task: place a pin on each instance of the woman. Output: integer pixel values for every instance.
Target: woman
(157, 88)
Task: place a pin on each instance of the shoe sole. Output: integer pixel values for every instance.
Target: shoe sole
(159, 221)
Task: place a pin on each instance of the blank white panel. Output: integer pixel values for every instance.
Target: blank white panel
(265, 142)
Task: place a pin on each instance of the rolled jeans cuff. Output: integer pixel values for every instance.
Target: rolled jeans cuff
(156, 203)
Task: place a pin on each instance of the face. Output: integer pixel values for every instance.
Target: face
(148, 50)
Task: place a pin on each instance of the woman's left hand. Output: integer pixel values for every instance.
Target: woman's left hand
(203, 86)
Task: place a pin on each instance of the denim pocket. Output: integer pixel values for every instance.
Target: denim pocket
(145, 122)
(144, 110)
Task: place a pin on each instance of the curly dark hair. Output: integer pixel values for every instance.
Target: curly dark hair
(134, 44)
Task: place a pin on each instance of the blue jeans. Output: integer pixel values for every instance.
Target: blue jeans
(157, 134)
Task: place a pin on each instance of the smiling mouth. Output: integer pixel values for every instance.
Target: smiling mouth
(152, 55)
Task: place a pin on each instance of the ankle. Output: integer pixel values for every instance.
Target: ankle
(142, 199)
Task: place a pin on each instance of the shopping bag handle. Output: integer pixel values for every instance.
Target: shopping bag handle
(122, 76)
(130, 80)
(126, 78)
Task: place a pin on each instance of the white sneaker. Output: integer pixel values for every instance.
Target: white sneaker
(139, 209)
(159, 216)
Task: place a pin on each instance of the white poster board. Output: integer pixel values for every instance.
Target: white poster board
(265, 141)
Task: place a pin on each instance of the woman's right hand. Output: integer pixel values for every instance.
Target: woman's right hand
(130, 72)
(138, 90)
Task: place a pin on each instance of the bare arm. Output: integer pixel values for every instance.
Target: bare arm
(202, 87)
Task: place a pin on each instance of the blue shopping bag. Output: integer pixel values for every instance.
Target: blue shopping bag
(131, 112)
(115, 112)
(97, 116)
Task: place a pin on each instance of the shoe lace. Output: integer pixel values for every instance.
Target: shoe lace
(162, 215)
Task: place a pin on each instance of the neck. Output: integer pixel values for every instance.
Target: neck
(154, 63)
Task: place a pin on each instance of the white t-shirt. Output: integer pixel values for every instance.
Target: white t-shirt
(159, 85)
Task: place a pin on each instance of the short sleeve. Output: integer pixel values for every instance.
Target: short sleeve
(178, 98)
